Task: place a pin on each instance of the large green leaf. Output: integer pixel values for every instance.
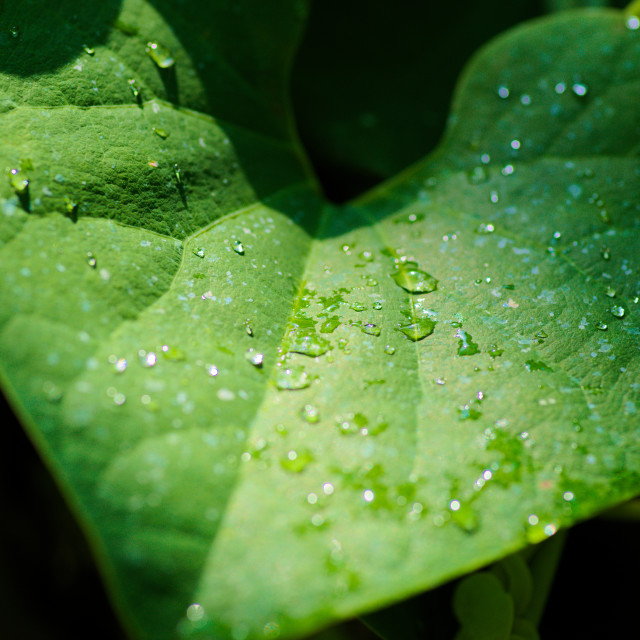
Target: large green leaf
(266, 416)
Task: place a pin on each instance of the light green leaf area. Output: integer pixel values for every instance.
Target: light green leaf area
(266, 416)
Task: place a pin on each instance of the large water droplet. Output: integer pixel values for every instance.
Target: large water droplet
(419, 329)
(371, 329)
(292, 377)
(466, 345)
(160, 55)
(309, 345)
(617, 311)
(414, 280)
(238, 247)
(358, 306)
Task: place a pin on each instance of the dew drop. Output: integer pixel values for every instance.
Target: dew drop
(133, 86)
(485, 228)
(296, 462)
(633, 23)
(19, 182)
(466, 345)
(610, 292)
(173, 354)
(537, 365)
(254, 357)
(414, 280)
(14, 31)
(377, 305)
(368, 495)
(161, 133)
(367, 256)
(601, 326)
(177, 172)
(238, 247)
(198, 251)
(149, 359)
(160, 55)
(90, 51)
(91, 260)
(477, 175)
(292, 377)
(503, 92)
(463, 516)
(310, 413)
(494, 197)
(580, 89)
(389, 350)
(494, 351)
(371, 329)
(357, 307)
(310, 345)
(541, 336)
(419, 329)
(605, 252)
(617, 311)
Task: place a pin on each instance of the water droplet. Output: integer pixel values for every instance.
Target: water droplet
(198, 251)
(133, 86)
(494, 351)
(330, 324)
(212, 370)
(610, 292)
(195, 612)
(238, 248)
(161, 133)
(292, 377)
(90, 51)
(91, 260)
(633, 23)
(467, 412)
(419, 329)
(464, 516)
(377, 305)
(173, 354)
(309, 345)
(507, 170)
(19, 182)
(148, 358)
(485, 228)
(541, 336)
(371, 329)
(254, 357)
(160, 55)
(605, 252)
(389, 350)
(177, 172)
(414, 280)
(368, 495)
(602, 326)
(605, 217)
(537, 365)
(466, 345)
(358, 306)
(503, 92)
(296, 462)
(617, 311)
(477, 175)
(515, 144)
(52, 392)
(310, 413)
(367, 256)
(580, 89)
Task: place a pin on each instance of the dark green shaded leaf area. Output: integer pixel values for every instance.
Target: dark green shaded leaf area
(271, 413)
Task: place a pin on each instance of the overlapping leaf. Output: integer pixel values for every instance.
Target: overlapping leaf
(268, 416)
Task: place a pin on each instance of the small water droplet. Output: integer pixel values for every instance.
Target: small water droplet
(503, 92)
(633, 23)
(602, 326)
(389, 350)
(90, 51)
(464, 516)
(254, 357)
(91, 260)
(292, 377)
(515, 144)
(177, 172)
(173, 354)
(296, 462)
(52, 392)
(605, 252)
(466, 345)
(541, 336)
(414, 280)
(161, 133)
(494, 197)
(485, 228)
(494, 351)
(367, 256)
(371, 329)
(537, 365)
(238, 247)
(198, 251)
(580, 89)
(133, 86)
(368, 495)
(477, 175)
(212, 370)
(14, 31)
(617, 311)
(610, 292)
(160, 55)
(357, 306)
(148, 358)
(310, 413)
(419, 329)
(19, 182)
(377, 305)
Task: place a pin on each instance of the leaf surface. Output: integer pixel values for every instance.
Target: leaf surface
(272, 413)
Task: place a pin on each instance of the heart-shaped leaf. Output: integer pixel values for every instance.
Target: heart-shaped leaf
(272, 413)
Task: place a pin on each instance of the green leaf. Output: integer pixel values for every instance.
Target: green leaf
(159, 324)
